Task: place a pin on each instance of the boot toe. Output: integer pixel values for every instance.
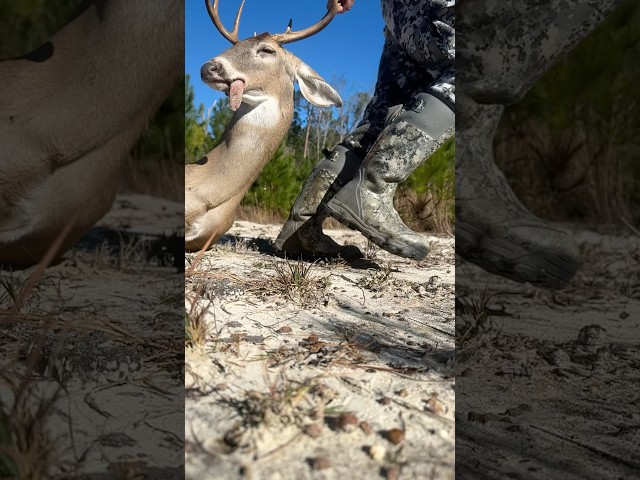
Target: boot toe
(540, 254)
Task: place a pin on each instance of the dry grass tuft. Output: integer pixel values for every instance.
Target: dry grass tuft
(480, 318)
(424, 211)
(294, 280)
(378, 280)
(196, 327)
(26, 448)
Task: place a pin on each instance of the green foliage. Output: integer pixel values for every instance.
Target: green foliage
(279, 183)
(197, 141)
(580, 122)
(219, 117)
(436, 178)
(599, 73)
(165, 135)
(436, 175)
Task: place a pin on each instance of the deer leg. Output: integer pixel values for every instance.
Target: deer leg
(213, 224)
(499, 65)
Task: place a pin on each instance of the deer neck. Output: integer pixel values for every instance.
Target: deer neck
(252, 137)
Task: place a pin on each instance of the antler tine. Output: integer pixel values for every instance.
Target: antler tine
(289, 36)
(215, 18)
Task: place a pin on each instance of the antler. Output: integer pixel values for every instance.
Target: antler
(288, 36)
(215, 18)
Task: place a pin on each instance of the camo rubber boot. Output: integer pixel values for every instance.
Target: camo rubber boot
(366, 202)
(302, 234)
(493, 229)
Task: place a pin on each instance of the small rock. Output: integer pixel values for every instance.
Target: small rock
(392, 472)
(481, 417)
(320, 463)
(436, 406)
(519, 410)
(347, 422)
(377, 452)
(384, 401)
(314, 430)
(316, 347)
(404, 393)
(366, 428)
(284, 330)
(395, 435)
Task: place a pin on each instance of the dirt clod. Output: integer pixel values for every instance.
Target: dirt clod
(366, 428)
(347, 422)
(314, 430)
(321, 462)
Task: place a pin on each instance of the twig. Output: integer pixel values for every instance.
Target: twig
(607, 455)
(631, 227)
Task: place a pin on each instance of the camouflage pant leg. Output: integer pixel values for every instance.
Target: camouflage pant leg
(418, 56)
(398, 77)
(425, 30)
(505, 47)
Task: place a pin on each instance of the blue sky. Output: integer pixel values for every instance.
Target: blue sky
(349, 47)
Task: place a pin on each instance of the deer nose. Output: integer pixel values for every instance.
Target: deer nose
(210, 70)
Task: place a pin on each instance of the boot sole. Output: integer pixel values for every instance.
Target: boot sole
(546, 268)
(345, 215)
(288, 245)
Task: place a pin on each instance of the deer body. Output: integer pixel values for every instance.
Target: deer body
(262, 74)
(215, 185)
(69, 120)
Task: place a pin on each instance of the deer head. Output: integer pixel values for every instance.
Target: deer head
(258, 68)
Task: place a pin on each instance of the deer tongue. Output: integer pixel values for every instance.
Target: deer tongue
(235, 94)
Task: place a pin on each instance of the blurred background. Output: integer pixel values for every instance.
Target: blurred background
(571, 147)
(152, 166)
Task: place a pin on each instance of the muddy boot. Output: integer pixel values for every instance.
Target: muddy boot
(493, 229)
(302, 234)
(366, 202)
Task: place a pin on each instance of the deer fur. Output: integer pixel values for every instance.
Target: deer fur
(68, 120)
(216, 184)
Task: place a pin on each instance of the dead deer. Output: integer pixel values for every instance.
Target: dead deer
(258, 75)
(71, 112)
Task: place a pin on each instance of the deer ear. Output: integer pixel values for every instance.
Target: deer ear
(314, 88)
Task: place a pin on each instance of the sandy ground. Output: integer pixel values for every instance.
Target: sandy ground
(107, 384)
(547, 381)
(319, 371)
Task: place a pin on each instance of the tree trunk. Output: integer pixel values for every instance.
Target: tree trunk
(308, 130)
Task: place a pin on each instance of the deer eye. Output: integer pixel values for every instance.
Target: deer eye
(266, 50)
